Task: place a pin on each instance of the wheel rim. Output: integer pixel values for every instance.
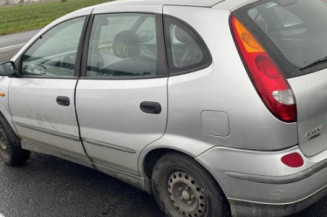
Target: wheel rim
(187, 196)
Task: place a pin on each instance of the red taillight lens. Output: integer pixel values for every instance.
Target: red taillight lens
(293, 160)
(268, 80)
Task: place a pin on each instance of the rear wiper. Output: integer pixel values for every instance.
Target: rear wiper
(324, 59)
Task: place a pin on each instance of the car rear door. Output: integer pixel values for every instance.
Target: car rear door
(121, 99)
(42, 97)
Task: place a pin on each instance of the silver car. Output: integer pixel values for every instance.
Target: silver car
(216, 107)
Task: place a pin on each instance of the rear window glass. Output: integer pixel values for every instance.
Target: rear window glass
(293, 32)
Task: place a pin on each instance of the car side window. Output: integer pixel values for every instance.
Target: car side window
(122, 46)
(186, 50)
(54, 53)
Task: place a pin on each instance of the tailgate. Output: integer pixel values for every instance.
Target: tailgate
(311, 99)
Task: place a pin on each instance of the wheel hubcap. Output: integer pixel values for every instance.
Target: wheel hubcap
(186, 195)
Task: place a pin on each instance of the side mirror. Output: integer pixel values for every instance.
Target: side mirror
(7, 69)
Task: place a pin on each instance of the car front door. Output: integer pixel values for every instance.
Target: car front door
(42, 96)
(122, 99)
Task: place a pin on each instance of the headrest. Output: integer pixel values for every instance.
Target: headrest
(126, 44)
(181, 35)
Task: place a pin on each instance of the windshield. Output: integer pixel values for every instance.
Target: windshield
(296, 28)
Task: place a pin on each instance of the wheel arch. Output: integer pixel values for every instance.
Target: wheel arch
(150, 159)
(4, 102)
(7, 117)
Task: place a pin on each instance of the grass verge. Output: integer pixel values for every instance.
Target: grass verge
(19, 18)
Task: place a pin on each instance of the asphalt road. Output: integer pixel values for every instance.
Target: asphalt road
(51, 187)
(10, 44)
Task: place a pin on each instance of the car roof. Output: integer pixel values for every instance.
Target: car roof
(221, 4)
(233, 4)
(194, 3)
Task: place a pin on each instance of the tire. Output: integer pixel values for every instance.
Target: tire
(183, 188)
(10, 146)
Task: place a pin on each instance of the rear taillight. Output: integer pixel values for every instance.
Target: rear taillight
(268, 80)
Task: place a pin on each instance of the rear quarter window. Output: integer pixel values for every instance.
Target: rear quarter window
(292, 31)
(186, 50)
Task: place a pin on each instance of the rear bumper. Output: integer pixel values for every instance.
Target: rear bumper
(259, 184)
(248, 208)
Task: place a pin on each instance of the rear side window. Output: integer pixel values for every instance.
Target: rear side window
(186, 50)
(123, 46)
(292, 31)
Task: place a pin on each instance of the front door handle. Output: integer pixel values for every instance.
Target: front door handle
(150, 107)
(63, 101)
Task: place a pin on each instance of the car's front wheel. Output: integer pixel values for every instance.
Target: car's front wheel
(182, 188)
(10, 147)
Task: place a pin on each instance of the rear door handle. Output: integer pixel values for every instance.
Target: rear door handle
(150, 107)
(63, 101)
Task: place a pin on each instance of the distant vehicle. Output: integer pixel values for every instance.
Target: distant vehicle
(215, 107)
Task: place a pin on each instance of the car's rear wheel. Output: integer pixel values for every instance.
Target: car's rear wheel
(182, 188)
(10, 147)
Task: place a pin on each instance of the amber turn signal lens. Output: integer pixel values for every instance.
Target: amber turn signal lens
(250, 43)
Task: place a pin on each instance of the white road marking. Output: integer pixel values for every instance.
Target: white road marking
(10, 47)
(1, 215)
